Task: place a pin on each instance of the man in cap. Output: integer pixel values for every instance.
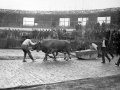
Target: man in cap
(104, 50)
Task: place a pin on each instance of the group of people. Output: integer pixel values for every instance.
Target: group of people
(105, 49)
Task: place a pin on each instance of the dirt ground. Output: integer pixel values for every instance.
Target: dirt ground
(17, 54)
(104, 83)
(98, 83)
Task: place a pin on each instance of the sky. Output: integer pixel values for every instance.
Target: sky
(53, 5)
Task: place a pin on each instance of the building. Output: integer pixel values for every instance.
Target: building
(27, 20)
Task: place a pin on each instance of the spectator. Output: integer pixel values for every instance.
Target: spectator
(110, 44)
(78, 27)
(54, 34)
(98, 26)
(103, 26)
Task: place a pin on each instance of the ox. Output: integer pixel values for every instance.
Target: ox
(53, 46)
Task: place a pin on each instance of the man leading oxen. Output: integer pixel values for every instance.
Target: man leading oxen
(53, 46)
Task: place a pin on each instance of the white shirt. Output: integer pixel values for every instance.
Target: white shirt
(103, 43)
(28, 42)
(94, 46)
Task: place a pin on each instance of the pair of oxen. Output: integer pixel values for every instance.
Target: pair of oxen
(53, 46)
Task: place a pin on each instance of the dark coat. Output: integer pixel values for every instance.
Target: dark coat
(78, 27)
(117, 42)
(118, 48)
(106, 43)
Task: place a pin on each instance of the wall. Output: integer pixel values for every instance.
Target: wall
(49, 21)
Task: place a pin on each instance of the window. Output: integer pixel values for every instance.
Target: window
(83, 20)
(104, 19)
(28, 21)
(64, 22)
(108, 19)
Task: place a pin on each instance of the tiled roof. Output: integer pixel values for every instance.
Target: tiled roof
(60, 12)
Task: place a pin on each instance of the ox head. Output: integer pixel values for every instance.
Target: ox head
(37, 46)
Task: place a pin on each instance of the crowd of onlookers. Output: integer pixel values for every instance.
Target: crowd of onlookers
(56, 33)
(90, 31)
(12, 38)
(35, 34)
(90, 34)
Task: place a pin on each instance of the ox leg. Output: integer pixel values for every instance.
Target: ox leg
(65, 58)
(69, 55)
(45, 58)
(56, 53)
(69, 52)
(54, 56)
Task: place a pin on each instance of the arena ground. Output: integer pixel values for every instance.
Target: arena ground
(104, 83)
(61, 75)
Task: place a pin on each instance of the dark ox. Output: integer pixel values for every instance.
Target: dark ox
(53, 46)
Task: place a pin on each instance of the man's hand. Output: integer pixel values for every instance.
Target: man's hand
(30, 48)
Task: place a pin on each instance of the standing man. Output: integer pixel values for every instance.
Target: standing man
(104, 50)
(118, 48)
(78, 28)
(25, 47)
(118, 53)
(54, 34)
(110, 43)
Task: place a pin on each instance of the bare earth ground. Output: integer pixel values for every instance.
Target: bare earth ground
(61, 75)
(16, 54)
(104, 83)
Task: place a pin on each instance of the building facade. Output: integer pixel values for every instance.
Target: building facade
(58, 19)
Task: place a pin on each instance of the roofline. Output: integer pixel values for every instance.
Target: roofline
(37, 12)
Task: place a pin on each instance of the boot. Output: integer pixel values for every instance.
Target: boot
(118, 62)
